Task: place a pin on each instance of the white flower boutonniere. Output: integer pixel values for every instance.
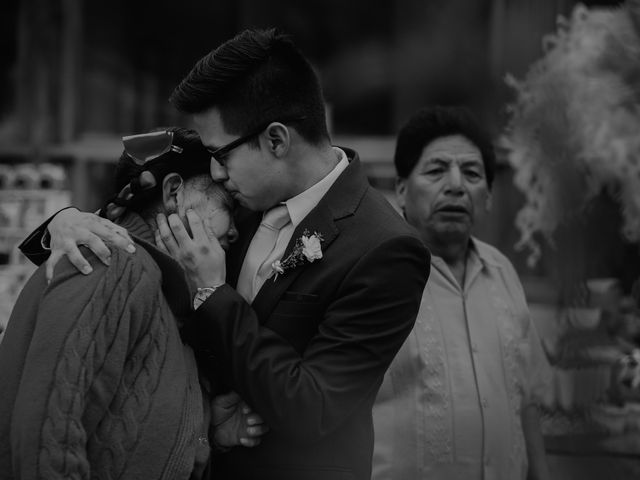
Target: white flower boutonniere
(308, 249)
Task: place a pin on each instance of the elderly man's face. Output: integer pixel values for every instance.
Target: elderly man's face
(212, 205)
(446, 190)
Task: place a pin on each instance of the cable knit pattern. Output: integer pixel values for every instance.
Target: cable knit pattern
(109, 314)
(107, 391)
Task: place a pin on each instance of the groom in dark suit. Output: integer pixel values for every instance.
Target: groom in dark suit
(309, 308)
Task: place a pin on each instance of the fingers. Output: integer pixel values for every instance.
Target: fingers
(55, 256)
(254, 436)
(75, 257)
(256, 431)
(254, 426)
(166, 235)
(249, 442)
(253, 419)
(114, 235)
(178, 230)
(159, 243)
(78, 226)
(98, 247)
(196, 226)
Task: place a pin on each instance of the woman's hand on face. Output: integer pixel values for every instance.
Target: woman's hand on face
(71, 228)
(202, 257)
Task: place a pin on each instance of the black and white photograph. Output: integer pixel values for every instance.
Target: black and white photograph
(320, 240)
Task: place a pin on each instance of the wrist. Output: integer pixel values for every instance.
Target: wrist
(203, 293)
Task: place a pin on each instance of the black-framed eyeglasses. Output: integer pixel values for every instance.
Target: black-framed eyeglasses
(220, 154)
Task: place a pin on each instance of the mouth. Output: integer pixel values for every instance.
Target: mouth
(453, 209)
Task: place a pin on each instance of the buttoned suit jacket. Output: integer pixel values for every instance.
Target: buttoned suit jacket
(310, 352)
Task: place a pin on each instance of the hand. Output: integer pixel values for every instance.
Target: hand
(202, 257)
(71, 228)
(235, 423)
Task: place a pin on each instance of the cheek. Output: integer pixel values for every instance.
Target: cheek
(481, 202)
(219, 224)
(420, 201)
(216, 222)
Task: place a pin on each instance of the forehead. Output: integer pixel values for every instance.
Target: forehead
(452, 147)
(204, 185)
(210, 127)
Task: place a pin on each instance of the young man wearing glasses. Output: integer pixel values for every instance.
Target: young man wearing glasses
(324, 284)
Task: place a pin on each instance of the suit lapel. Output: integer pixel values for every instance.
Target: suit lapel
(341, 200)
(320, 220)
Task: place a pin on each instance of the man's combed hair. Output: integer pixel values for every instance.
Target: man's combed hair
(256, 78)
(429, 124)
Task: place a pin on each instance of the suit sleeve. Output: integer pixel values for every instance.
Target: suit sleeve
(307, 396)
(32, 247)
(85, 326)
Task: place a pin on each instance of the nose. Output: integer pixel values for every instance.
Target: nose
(454, 183)
(218, 172)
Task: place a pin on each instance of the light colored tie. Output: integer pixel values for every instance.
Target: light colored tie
(256, 267)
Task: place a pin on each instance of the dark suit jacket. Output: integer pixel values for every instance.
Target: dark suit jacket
(310, 352)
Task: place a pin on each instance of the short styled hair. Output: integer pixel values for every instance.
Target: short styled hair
(431, 123)
(256, 78)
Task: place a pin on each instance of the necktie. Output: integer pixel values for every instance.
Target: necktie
(257, 264)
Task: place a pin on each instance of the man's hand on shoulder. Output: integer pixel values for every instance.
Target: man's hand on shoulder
(71, 228)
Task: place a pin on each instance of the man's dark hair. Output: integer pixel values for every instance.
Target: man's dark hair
(429, 124)
(256, 78)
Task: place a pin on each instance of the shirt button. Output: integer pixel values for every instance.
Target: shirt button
(485, 403)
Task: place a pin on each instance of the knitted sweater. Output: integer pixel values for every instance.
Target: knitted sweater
(95, 380)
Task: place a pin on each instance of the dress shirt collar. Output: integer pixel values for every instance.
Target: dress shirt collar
(301, 205)
(483, 252)
(478, 251)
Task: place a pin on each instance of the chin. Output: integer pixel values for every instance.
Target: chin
(454, 232)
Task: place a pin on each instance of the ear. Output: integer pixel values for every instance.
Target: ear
(401, 191)
(171, 185)
(278, 138)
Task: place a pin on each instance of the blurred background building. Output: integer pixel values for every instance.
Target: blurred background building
(77, 75)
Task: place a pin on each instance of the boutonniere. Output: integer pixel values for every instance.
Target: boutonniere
(307, 249)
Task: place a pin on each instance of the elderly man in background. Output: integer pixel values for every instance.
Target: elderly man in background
(459, 400)
(96, 378)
